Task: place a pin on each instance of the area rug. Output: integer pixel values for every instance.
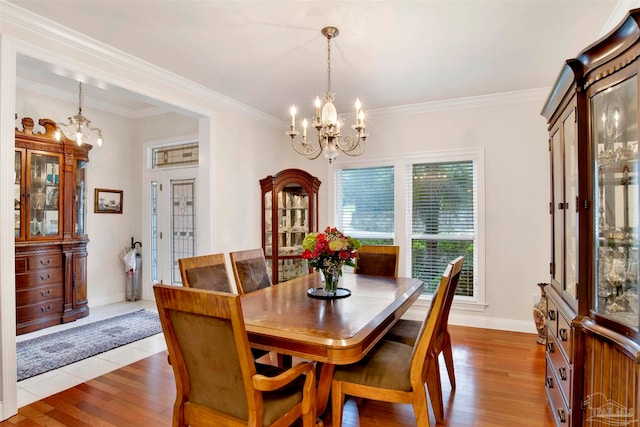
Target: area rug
(53, 351)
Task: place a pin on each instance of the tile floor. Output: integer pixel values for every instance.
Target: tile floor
(41, 386)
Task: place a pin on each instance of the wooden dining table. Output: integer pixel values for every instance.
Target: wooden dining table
(284, 319)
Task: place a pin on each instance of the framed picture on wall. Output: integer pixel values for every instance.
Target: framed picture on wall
(108, 201)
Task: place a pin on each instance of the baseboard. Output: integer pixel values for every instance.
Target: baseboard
(479, 321)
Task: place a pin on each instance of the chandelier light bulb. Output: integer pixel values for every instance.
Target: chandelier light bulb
(79, 138)
(293, 115)
(99, 140)
(57, 135)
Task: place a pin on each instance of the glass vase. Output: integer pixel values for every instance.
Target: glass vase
(331, 278)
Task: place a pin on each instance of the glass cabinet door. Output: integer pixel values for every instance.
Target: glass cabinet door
(17, 194)
(571, 211)
(614, 119)
(43, 195)
(293, 226)
(80, 211)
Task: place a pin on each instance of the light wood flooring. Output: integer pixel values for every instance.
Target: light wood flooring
(500, 383)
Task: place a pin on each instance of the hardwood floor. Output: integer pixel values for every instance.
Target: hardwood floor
(499, 375)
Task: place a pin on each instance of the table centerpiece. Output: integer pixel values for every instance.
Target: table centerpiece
(328, 252)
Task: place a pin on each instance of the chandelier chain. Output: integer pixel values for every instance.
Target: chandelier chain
(80, 98)
(328, 65)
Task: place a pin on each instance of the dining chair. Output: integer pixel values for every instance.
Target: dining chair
(377, 260)
(406, 331)
(205, 272)
(217, 380)
(397, 372)
(250, 272)
(210, 272)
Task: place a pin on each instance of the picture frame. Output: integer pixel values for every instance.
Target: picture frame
(108, 201)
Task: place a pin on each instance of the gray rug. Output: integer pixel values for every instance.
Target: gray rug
(53, 351)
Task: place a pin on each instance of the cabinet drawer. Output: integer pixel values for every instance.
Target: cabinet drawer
(37, 279)
(552, 317)
(50, 260)
(557, 363)
(38, 295)
(561, 412)
(565, 336)
(37, 311)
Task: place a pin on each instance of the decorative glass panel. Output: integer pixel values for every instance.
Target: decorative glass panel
(154, 231)
(183, 224)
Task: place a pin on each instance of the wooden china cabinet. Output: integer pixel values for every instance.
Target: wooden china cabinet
(50, 232)
(289, 213)
(593, 336)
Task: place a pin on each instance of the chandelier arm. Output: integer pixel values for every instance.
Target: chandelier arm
(310, 151)
(352, 145)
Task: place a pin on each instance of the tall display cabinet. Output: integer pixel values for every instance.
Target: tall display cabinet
(593, 336)
(289, 213)
(49, 228)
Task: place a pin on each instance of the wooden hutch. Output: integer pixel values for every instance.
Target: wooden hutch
(289, 213)
(593, 338)
(50, 228)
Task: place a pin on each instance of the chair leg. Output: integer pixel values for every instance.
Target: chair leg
(420, 407)
(435, 387)
(337, 403)
(447, 352)
(285, 361)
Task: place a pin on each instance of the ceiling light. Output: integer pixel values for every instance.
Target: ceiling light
(78, 128)
(328, 122)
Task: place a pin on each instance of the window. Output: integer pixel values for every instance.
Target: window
(442, 221)
(364, 206)
(430, 206)
(175, 155)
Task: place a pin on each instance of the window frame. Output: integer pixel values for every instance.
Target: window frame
(402, 200)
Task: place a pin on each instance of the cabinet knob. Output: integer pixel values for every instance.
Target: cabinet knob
(563, 373)
(45, 309)
(551, 315)
(563, 334)
(44, 294)
(562, 416)
(550, 348)
(47, 277)
(47, 262)
(549, 382)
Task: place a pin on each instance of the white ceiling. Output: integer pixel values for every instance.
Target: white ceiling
(270, 54)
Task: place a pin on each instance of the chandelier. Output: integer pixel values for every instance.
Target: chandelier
(328, 122)
(78, 128)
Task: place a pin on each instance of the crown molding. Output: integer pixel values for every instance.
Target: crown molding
(44, 27)
(502, 98)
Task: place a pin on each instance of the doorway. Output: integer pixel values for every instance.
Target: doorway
(172, 231)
